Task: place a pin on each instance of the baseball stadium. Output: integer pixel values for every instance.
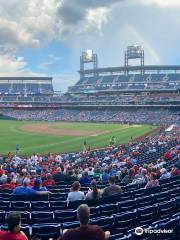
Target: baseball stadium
(125, 102)
(105, 154)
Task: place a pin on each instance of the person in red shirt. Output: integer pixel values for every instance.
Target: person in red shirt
(7, 184)
(13, 233)
(49, 182)
(153, 182)
(1, 172)
(85, 231)
(175, 171)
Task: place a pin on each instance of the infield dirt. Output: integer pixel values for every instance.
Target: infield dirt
(49, 128)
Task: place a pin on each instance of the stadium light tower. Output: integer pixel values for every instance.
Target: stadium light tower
(134, 52)
(88, 57)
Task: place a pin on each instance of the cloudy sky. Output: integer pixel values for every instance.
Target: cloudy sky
(46, 37)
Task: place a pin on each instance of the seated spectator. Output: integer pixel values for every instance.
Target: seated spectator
(164, 174)
(123, 173)
(25, 190)
(7, 184)
(13, 220)
(3, 178)
(75, 193)
(105, 176)
(60, 175)
(71, 176)
(91, 172)
(49, 181)
(85, 179)
(139, 173)
(113, 171)
(153, 182)
(96, 173)
(85, 231)
(112, 189)
(93, 193)
(142, 177)
(38, 185)
(136, 168)
(175, 171)
(129, 177)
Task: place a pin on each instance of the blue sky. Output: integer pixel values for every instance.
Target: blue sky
(46, 37)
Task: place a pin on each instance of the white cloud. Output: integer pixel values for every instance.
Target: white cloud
(97, 17)
(106, 26)
(11, 66)
(9, 63)
(160, 3)
(26, 23)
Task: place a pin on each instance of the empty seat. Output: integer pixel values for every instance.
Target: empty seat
(124, 221)
(112, 199)
(166, 187)
(64, 216)
(46, 231)
(58, 197)
(106, 223)
(94, 212)
(126, 196)
(166, 209)
(75, 204)
(116, 236)
(40, 198)
(58, 205)
(2, 216)
(4, 205)
(131, 187)
(153, 190)
(127, 205)
(146, 215)
(145, 236)
(171, 225)
(108, 209)
(177, 199)
(139, 192)
(39, 206)
(175, 192)
(177, 215)
(56, 190)
(161, 197)
(145, 201)
(20, 206)
(5, 196)
(2, 191)
(42, 217)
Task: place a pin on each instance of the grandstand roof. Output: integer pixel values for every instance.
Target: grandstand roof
(26, 78)
(133, 68)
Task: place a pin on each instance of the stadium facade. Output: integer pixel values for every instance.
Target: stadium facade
(25, 85)
(111, 88)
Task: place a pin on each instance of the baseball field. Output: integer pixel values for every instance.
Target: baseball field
(60, 137)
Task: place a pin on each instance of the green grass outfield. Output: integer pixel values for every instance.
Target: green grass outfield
(10, 135)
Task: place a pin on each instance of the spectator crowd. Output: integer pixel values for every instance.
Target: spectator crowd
(143, 162)
(141, 116)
